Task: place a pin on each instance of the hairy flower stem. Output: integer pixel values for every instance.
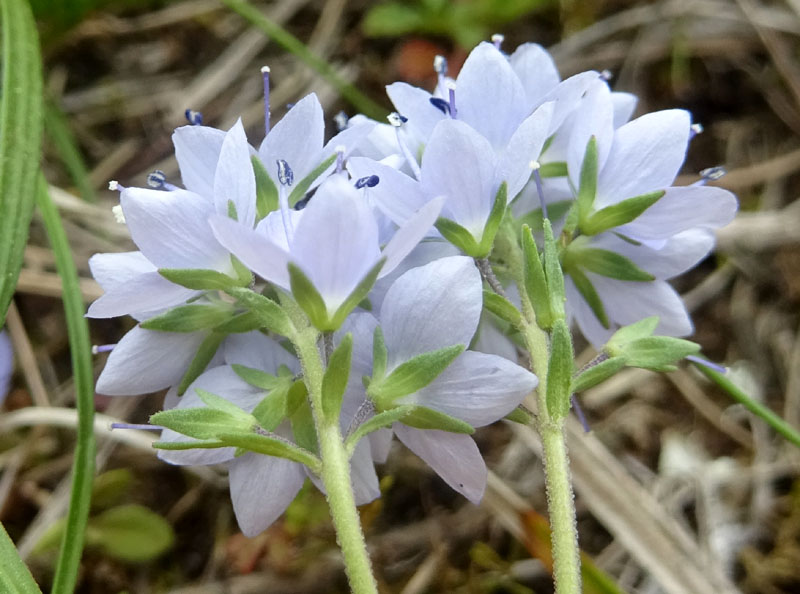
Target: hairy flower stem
(560, 499)
(488, 275)
(335, 471)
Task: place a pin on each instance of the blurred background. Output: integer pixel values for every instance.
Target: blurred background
(679, 489)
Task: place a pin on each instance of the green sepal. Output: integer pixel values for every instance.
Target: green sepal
(232, 214)
(334, 382)
(243, 273)
(413, 375)
(271, 411)
(559, 371)
(199, 280)
(309, 299)
(256, 377)
(299, 411)
(189, 318)
(266, 190)
(493, 222)
(553, 274)
(619, 213)
(535, 280)
(202, 358)
(535, 218)
(301, 189)
(271, 445)
(659, 353)
(554, 169)
(606, 263)
(379, 421)
(357, 295)
(379, 354)
(520, 415)
(502, 308)
(458, 236)
(595, 374)
(627, 334)
(588, 292)
(422, 417)
(219, 403)
(587, 189)
(202, 422)
(242, 322)
(271, 315)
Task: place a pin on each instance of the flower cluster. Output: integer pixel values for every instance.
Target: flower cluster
(375, 248)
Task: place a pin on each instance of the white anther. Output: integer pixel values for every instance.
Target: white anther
(119, 216)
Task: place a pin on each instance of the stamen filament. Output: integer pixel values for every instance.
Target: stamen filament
(140, 426)
(265, 76)
(102, 348)
(396, 120)
(537, 177)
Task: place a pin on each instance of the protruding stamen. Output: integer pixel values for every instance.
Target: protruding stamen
(710, 175)
(265, 76)
(497, 40)
(707, 363)
(195, 118)
(451, 94)
(340, 151)
(115, 186)
(537, 177)
(695, 129)
(158, 181)
(140, 426)
(606, 75)
(102, 348)
(341, 120)
(396, 120)
(119, 216)
(440, 65)
(441, 104)
(285, 173)
(369, 181)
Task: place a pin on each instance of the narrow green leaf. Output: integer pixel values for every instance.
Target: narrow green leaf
(520, 415)
(334, 382)
(272, 445)
(205, 353)
(458, 236)
(20, 139)
(658, 353)
(535, 280)
(270, 314)
(379, 354)
(243, 322)
(754, 406)
(204, 444)
(201, 422)
(553, 274)
(301, 417)
(422, 417)
(610, 264)
(15, 578)
(627, 334)
(80, 348)
(256, 377)
(301, 188)
(189, 318)
(501, 307)
(493, 222)
(414, 374)
(357, 295)
(618, 214)
(379, 421)
(130, 533)
(588, 292)
(199, 280)
(559, 371)
(219, 403)
(266, 190)
(555, 169)
(587, 190)
(596, 374)
(59, 133)
(309, 299)
(272, 410)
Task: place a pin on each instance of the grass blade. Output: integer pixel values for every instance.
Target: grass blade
(14, 575)
(59, 133)
(20, 139)
(80, 347)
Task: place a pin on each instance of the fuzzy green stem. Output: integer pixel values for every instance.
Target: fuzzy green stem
(560, 499)
(336, 472)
